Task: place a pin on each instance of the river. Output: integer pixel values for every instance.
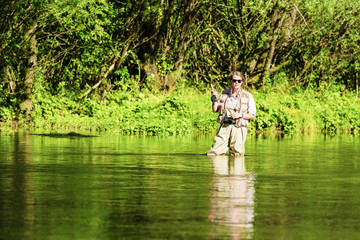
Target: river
(110, 186)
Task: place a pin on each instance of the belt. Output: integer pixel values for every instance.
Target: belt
(229, 120)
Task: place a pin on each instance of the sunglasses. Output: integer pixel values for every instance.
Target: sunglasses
(235, 80)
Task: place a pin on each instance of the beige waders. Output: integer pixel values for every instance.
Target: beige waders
(229, 136)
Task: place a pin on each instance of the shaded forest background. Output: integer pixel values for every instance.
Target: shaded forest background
(94, 50)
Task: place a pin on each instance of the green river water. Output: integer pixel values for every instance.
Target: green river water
(126, 187)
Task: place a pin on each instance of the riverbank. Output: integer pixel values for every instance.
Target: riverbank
(187, 111)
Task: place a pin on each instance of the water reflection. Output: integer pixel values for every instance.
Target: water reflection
(232, 201)
(117, 187)
(16, 187)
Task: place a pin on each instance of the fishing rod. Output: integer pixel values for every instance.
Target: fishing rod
(198, 52)
(196, 48)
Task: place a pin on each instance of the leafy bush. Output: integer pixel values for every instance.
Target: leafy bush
(189, 111)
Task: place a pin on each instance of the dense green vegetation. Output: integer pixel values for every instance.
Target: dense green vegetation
(189, 111)
(145, 67)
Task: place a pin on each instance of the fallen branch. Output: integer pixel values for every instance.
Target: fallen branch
(98, 83)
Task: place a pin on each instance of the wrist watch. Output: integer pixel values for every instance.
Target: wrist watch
(213, 99)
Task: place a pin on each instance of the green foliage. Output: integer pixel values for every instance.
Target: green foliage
(311, 42)
(79, 33)
(6, 114)
(188, 111)
(339, 113)
(326, 110)
(274, 117)
(107, 61)
(165, 67)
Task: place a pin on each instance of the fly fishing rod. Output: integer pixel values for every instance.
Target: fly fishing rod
(195, 45)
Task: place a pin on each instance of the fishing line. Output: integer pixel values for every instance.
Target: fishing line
(198, 54)
(176, 149)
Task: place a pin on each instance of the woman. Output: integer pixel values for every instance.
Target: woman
(235, 107)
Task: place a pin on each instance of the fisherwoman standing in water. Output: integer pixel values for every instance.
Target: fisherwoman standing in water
(235, 107)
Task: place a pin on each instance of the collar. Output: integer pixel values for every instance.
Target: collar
(237, 96)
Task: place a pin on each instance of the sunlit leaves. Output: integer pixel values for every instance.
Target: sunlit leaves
(312, 41)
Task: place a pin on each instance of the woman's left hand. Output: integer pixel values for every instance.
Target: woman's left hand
(235, 115)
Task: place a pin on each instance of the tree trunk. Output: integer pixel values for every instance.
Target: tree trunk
(306, 67)
(289, 23)
(163, 28)
(271, 52)
(26, 104)
(357, 86)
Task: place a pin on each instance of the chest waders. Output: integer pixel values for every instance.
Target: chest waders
(232, 132)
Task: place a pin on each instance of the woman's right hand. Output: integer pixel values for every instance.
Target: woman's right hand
(213, 91)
